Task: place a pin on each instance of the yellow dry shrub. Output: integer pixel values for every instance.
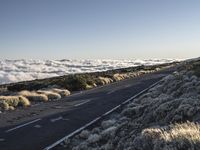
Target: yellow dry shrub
(50, 94)
(62, 92)
(105, 80)
(89, 87)
(24, 101)
(4, 105)
(10, 102)
(33, 96)
(118, 77)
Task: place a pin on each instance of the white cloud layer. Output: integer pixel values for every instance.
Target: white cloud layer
(23, 70)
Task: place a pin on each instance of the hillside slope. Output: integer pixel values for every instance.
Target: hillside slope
(165, 118)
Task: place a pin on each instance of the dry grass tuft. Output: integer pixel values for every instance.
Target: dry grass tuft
(24, 101)
(118, 77)
(105, 80)
(51, 95)
(4, 105)
(33, 96)
(62, 92)
(10, 102)
(176, 136)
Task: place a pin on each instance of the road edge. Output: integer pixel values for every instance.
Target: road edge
(101, 117)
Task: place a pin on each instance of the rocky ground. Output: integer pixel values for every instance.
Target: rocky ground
(165, 118)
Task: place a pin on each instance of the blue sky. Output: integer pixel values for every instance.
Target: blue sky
(99, 29)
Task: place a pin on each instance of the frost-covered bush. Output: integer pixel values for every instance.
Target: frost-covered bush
(106, 124)
(173, 137)
(144, 124)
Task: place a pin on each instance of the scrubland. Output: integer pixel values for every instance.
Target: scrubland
(165, 118)
(49, 89)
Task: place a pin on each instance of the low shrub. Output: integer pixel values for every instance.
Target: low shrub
(23, 101)
(105, 80)
(33, 96)
(51, 95)
(176, 136)
(4, 106)
(62, 92)
(74, 83)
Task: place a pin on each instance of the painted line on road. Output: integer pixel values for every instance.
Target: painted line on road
(37, 126)
(71, 134)
(83, 103)
(65, 119)
(127, 86)
(100, 117)
(56, 119)
(20, 126)
(131, 98)
(117, 89)
(115, 108)
(34, 105)
(143, 91)
(110, 92)
(114, 90)
(2, 140)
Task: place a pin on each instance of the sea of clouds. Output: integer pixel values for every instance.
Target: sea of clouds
(23, 70)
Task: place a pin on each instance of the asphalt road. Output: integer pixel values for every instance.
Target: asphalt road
(76, 111)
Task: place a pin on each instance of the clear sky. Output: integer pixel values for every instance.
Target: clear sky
(104, 29)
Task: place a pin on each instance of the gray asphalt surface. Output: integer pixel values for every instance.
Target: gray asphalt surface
(77, 110)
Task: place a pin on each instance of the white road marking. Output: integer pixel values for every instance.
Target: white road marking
(82, 103)
(34, 105)
(20, 126)
(57, 107)
(65, 119)
(127, 86)
(56, 119)
(111, 92)
(133, 97)
(37, 126)
(2, 140)
(105, 114)
(71, 134)
(117, 89)
(98, 118)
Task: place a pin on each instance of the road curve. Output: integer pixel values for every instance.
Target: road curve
(71, 113)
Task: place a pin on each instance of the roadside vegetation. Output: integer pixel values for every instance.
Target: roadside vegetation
(77, 82)
(26, 98)
(176, 136)
(49, 89)
(164, 118)
(10, 102)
